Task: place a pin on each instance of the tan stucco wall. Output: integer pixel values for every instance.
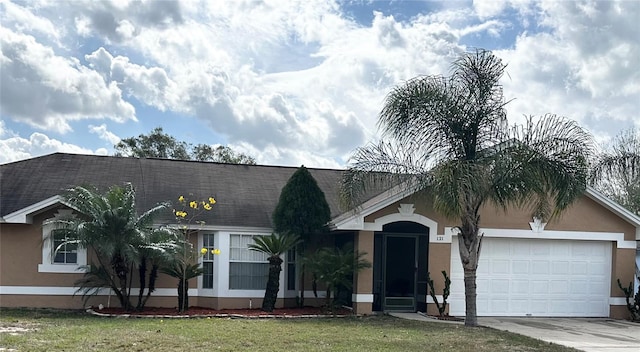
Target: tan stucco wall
(21, 252)
(585, 215)
(363, 281)
(439, 260)
(69, 302)
(46, 301)
(623, 268)
(619, 312)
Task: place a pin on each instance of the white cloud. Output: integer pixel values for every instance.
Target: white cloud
(104, 134)
(13, 147)
(299, 81)
(48, 91)
(23, 20)
(151, 85)
(582, 68)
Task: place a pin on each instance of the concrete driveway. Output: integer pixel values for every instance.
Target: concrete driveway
(587, 334)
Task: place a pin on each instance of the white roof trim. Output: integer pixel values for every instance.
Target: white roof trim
(25, 215)
(616, 208)
(354, 220)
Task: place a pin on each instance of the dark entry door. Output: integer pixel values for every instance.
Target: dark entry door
(400, 267)
(400, 270)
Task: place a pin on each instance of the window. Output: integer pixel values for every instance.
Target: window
(248, 270)
(63, 252)
(68, 258)
(207, 261)
(291, 269)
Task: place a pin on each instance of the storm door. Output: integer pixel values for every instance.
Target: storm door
(400, 267)
(400, 273)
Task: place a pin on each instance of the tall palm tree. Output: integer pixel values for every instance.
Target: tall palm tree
(617, 170)
(110, 227)
(449, 137)
(273, 246)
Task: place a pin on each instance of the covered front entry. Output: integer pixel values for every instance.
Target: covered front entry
(401, 252)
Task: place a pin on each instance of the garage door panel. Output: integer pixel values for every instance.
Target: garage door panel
(539, 267)
(482, 286)
(539, 306)
(560, 267)
(599, 289)
(561, 249)
(537, 277)
(579, 268)
(520, 250)
(499, 286)
(596, 268)
(540, 287)
(499, 266)
(579, 287)
(499, 305)
(558, 287)
(483, 266)
(540, 249)
(520, 267)
(520, 287)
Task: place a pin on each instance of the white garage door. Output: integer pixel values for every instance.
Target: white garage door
(531, 277)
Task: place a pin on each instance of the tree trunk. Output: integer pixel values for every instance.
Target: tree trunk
(121, 271)
(301, 301)
(470, 295)
(273, 284)
(142, 273)
(300, 258)
(183, 295)
(153, 276)
(469, 247)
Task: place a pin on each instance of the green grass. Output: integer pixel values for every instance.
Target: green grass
(72, 331)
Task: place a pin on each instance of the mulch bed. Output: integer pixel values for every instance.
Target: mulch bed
(200, 312)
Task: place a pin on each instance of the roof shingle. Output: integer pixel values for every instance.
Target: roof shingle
(246, 194)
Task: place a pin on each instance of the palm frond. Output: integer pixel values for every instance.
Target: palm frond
(545, 165)
(274, 245)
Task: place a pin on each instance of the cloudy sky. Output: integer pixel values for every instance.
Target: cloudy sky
(293, 82)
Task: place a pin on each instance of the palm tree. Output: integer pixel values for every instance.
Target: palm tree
(334, 267)
(109, 225)
(273, 246)
(449, 137)
(616, 172)
(182, 264)
(156, 245)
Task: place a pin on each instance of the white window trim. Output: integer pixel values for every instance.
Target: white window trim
(47, 265)
(208, 291)
(244, 261)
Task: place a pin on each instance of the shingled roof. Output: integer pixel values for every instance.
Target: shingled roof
(246, 194)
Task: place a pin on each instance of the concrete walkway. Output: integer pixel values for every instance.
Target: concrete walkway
(586, 334)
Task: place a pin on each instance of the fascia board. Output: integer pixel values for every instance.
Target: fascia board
(25, 215)
(616, 208)
(374, 204)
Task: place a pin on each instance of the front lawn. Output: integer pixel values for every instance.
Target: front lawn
(45, 330)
